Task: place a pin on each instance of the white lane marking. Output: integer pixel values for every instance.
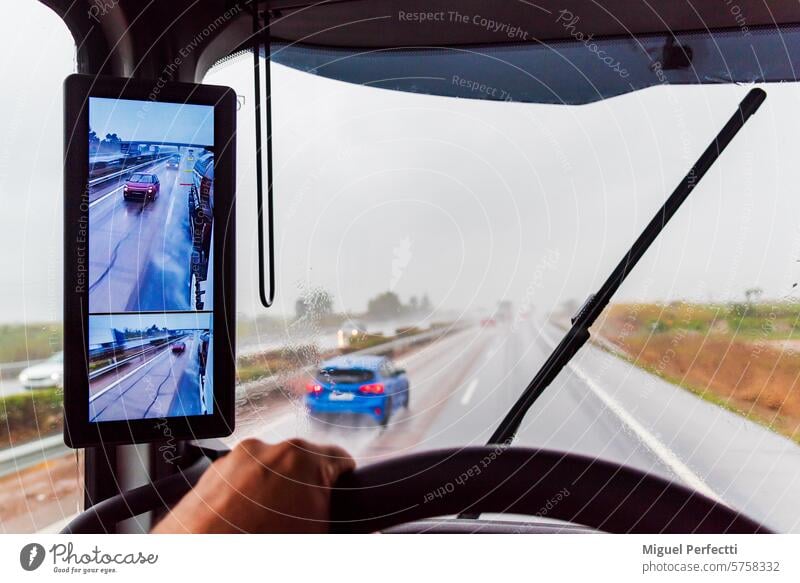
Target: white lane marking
(105, 196)
(172, 197)
(666, 455)
(465, 398)
(118, 381)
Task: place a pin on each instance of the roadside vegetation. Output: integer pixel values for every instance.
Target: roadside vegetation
(33, 414)
(21, 342)
(743, 356)
(263, 365)
(30, 415)
(289, 360)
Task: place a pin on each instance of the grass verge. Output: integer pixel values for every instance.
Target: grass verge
(30, 415)
(740, 358)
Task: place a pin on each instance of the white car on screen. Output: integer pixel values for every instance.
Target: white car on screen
(49, 373)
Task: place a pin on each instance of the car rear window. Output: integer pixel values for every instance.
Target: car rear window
(345, 375)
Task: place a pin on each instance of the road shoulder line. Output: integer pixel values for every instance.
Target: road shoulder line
(684, 472)
(467, 396)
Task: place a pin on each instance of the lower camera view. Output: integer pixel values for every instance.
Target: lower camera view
(143, 366)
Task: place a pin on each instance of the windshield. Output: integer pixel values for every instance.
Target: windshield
(140, 178)
(462, 234)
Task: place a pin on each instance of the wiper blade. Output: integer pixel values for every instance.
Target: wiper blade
(578, 334)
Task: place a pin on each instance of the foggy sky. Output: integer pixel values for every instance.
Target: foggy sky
(467, 201)
(152, 121)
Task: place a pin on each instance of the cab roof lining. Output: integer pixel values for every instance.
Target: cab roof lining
(377, 23)
(134, 38)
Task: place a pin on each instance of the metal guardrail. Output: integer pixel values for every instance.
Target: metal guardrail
(380, 349)
(29, 454)
(405, 342)
(101, 179)
(12, 369)
(115, 365)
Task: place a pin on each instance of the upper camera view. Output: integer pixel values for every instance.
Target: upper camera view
(151, 202)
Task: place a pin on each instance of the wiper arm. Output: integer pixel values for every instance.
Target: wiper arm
(578, 334)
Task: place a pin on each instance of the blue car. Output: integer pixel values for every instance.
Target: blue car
(367, 385)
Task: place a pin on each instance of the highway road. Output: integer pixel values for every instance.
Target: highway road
(158, 384)
(600, 406)
(139, 254)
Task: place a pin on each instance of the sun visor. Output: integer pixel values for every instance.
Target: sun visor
(583, 70)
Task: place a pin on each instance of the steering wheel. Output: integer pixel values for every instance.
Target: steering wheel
(595, 493)
(535, 482)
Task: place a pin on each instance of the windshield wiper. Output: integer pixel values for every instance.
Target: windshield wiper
(578, 334)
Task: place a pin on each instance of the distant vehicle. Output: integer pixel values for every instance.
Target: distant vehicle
(365, 385)
(49, 373)
(505, 311)
(353, 327)
(140, 185)
(173, 162)
(349, 329)
(178, 347)
(488, 322)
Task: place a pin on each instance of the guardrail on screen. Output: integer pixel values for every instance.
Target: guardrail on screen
(124, 171)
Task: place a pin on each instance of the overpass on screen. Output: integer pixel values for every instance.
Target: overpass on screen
(127, 145)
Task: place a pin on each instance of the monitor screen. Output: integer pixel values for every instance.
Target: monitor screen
(150, 290)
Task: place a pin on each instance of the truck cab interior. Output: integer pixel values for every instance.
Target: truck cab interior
(475, 217)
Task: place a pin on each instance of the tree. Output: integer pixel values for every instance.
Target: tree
(315, 303)
(753, 294)
(385, 305)
(425, 305)
(300, 308)
(324, 302)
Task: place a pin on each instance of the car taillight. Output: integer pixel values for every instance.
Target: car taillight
(312, 388)
(375, 389)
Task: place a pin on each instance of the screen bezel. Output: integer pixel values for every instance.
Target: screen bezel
(78, 430)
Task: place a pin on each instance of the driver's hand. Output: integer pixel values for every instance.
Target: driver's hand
(262, 488)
